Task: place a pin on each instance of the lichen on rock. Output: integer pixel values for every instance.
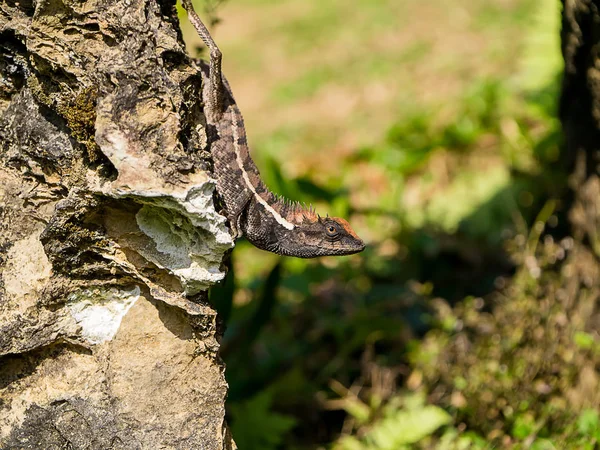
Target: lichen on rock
(99, 311)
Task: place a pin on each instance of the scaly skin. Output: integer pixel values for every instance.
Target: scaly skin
(267, 221)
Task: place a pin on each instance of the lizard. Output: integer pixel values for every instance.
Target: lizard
(268, 221)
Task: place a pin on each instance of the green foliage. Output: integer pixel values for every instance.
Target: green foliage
(444, 177)
(588, 424)
(523, 426)
(584, 341)
(522, 369)
(399, 428)
(255, 425)
(409, 142)
(455, 440)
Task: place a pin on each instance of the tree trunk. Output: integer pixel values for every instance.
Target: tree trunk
(580, 115)
(108, 233)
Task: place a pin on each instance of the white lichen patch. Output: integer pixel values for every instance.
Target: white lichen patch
(99, 311)
(186, 249)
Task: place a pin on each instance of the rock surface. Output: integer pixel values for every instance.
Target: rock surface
(108, 233)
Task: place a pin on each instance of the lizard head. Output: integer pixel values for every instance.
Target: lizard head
(329, 236)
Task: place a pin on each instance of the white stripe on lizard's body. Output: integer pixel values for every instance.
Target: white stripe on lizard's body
(262, 201)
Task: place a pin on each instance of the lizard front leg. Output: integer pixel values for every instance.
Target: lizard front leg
(238, 216)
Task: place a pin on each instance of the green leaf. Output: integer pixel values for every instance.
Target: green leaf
(583, 340)
(266, 304)
(466, 440)
(588, 423)
(543, 444)
(314, 191)
(524, 426)
(406, 427)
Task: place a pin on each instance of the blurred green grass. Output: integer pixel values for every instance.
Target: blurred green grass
(432, 127)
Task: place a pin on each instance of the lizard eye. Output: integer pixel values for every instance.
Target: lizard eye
(332, 230)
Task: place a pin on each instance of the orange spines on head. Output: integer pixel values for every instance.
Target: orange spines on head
(300, 214)
(307, 214)
(296, 212)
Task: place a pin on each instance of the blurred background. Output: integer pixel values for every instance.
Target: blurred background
(432, 127)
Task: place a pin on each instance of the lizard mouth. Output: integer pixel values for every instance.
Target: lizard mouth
(356, 246)
(320, 251)
(360, 246)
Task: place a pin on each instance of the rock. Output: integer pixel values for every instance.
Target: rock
(109, 237)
